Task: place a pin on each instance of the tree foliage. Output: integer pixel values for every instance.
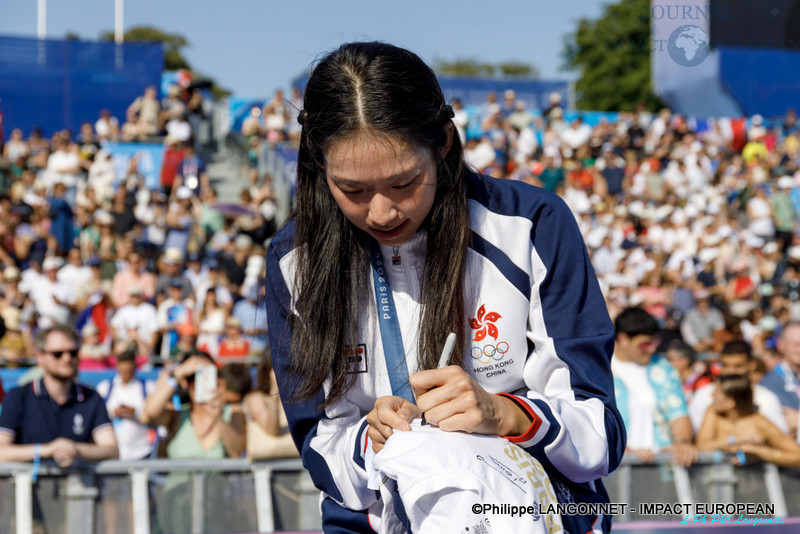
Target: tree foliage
(612, 57)
(173, 46)
(471, 67)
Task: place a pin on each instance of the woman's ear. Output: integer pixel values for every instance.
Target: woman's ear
(444, 149)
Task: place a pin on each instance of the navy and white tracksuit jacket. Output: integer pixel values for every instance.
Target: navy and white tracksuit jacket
(538, 330)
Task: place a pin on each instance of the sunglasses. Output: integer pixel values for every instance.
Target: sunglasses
(60, 354)
(649, 344)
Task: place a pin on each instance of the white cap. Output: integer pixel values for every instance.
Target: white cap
(786, 182)
(183, 193)
(52, 262)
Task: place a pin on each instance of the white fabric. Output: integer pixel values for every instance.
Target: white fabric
(142, 317)
(641, 403)
(441, 475)
(133, 437)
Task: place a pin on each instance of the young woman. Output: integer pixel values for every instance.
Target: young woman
(395, 244)
(733, 425)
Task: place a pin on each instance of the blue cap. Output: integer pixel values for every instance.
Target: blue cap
(94, 261)
(213, 264)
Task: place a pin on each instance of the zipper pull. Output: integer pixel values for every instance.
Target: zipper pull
(396, 255)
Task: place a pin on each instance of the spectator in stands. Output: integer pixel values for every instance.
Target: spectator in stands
(784, 380)
(210, 323)
(267, 428)
(173, 312)
(649, 391)
(694, 373)
(136, 275)
(275, 117)
(125, 396)
(134, 324)
(106, 127)
(14, 345)
(733, 425)
(192, 172)
(217, 282)
(253, 319)
(172, 107)
(700, 323)
(54, 417)
(50, 297)
(208, 430)
(198, 430)
(737, 359)
(142, 116)
(172, 270)
(232, 344)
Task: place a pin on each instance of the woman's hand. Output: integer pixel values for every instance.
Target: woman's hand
(389, 413)
(454, 401)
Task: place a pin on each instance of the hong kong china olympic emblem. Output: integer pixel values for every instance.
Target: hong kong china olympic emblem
(484, 325)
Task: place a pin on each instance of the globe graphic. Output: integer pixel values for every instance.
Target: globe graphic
(688, 45)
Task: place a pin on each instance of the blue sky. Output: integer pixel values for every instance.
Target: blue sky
(253, 47)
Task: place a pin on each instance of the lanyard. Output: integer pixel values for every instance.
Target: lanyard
(390, 329)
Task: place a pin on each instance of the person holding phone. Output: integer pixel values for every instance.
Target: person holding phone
(395, 243)
(205, 429)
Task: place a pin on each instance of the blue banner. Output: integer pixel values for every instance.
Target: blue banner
(150, 159)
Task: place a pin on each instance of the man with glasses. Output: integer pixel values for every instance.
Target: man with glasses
(54, 417)
(649, 391)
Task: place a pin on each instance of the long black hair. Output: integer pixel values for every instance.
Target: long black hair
(389, 92)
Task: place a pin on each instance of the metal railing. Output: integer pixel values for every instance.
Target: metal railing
(713, 479)
(159, 496)
(206, 496)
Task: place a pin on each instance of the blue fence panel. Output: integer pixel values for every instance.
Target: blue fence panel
(762, 81)
(59, 84)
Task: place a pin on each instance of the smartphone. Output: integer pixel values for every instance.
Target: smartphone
(205, 383)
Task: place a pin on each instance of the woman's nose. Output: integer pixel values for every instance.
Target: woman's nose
(382, 211)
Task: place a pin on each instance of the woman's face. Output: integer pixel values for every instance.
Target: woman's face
(720, 401)
(385, 187)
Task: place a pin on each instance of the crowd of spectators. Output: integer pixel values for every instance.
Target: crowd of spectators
(691, 222)
(163, 279)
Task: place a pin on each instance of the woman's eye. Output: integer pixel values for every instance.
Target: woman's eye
(406, 185)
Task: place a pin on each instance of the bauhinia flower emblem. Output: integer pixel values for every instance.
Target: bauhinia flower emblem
(484, 324)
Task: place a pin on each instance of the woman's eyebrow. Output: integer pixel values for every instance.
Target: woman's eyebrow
(393, 178)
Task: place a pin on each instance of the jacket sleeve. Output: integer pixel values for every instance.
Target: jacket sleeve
(569, 393)
(332, 441)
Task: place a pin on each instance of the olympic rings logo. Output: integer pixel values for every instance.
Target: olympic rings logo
(490, 352)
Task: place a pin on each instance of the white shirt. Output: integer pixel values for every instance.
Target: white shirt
(133, 437)
(43, 294)
(73, 278)
(142, 317)
(641, 403)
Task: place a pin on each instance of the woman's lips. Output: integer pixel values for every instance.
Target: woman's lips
(389, 234)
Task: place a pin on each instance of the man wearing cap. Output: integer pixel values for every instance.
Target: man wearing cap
(135, 324)
(136, 275)
(53, 417)
(50, 297)
(172, 313)
(74, 274)
(171, 270)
